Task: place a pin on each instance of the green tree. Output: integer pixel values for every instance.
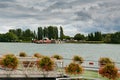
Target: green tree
(90, 37)
(2, 38)
(19, 33)
(106, 38)
(61, 33)
(8, 37)
(12, 31)
(79, 37)
(34, 35)
(50, 32)
(115, 38)
(55, 33)
(98, 36)
(11, 36)
(67, 37)
(40, 33)
(45, 32)
(27, 35)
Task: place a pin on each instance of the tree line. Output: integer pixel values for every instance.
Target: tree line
(98, 36)
(52, 32)
(17, 35)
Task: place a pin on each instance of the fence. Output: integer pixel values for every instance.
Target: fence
(91, 69)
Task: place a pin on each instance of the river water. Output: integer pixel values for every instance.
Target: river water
(87, 51)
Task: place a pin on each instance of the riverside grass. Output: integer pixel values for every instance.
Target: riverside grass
(91, 74)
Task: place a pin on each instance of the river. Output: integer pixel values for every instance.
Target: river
(67, 50)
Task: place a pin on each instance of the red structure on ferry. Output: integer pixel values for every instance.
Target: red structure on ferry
(45, 40)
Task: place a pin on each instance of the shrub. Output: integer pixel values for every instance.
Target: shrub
(104, 60)
(109, 71)
(37, 55)
(46, 64)
(9, 61)
(78, 59)
(58, 57)
(22, 54)
(73, 68)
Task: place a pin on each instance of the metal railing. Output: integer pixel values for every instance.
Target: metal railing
(31, 70)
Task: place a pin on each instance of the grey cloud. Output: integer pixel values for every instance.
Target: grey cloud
(83, 16)
(58, 5)
(6, 4)
(2, 5)
(7, 0)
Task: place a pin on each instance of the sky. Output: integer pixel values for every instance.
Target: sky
(75, 16)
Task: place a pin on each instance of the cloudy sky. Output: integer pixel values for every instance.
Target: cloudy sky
(76, 16)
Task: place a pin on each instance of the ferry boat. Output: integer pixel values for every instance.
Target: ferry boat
(45, 41)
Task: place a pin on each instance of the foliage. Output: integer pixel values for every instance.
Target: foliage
(96, 36)
(40, 33)
(115, 38)
(37, 55)
(51, 32)
(27, 35)
(106, 38)
(8, 37)
(9, 61)
(104, 60)
(46, 64)
(58, 57)
(45, 32)
(73, 68)
(79, 37)
(18, 35)
(61, 33)
(78, 59)
(109, 71)
(22, 54)
(55, 29)
(67, 37)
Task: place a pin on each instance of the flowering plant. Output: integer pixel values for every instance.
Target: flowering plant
(22, 54)
(109, 71)
(104, 60)
(9, 61)
(73, 68)
(46, 64)
(37, 55)
(78, 59)
(58, 57)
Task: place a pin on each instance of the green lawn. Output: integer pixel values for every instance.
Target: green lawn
(89, 75)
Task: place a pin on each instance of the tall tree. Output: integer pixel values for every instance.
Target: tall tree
(40, 33)
(27, 35)
(34, 35)
(115, 38)
(45, 32)
(98, 36)
(106, 38)
(90, 37)
(50, 32)
(61, 33)
(19, 33)
(55, 33)
(12, 31)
